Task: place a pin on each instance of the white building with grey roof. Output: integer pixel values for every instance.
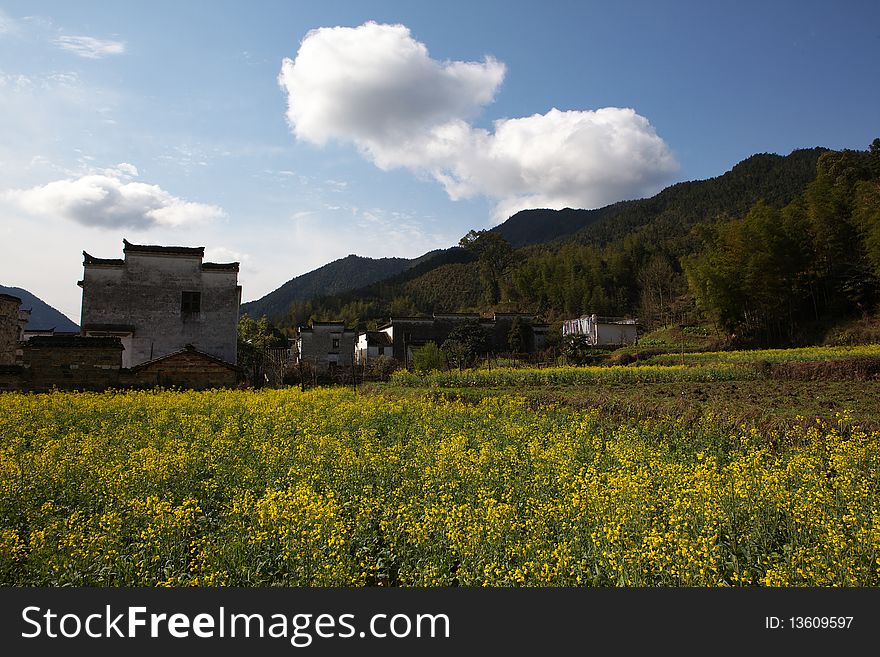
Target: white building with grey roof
(159, 299)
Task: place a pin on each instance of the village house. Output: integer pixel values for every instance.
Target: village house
(533, 334)
(602, 331)
(406, 334)
(326, 346)
(371, 345)
(186, 368)
(159, 316)
(159, 299)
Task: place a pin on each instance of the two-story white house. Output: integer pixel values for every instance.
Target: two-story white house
(160, 299)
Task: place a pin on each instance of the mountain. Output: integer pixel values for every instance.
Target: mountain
(774, 178)
(337, 277)
(528, 227)
(43, 316)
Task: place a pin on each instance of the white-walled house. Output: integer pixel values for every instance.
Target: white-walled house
(159, 299)
(602, 331)
(372, 344)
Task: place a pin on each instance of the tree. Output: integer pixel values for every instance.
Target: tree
(576, 348)
(496, 257)
(517, 338)
(254, 339)
(428, 358)
(464, 344)
(382, 367)
(657, 282)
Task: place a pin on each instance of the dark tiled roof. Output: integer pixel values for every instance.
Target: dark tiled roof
(92, 260)
(220, 266)
(109, 328)
(72, 341)
(128, 247)
(378, 339)
(190, 350)
(423, 318)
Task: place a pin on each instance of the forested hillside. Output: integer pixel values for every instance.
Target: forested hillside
(770, 273)
(774, 178)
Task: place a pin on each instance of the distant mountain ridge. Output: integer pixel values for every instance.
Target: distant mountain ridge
(773, 178)
(43, 316)
(337, 277)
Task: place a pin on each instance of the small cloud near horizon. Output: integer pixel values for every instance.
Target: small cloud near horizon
(89, 47)
(111, 199)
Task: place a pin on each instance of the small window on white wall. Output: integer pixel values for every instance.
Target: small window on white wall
(190, 302)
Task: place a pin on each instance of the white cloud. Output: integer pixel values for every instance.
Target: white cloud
(376, 87)
(122, 170)
(8, 25)
(89, 47)
(111, 200)
(224, 254)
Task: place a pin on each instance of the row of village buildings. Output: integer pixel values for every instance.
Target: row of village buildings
(161, 316)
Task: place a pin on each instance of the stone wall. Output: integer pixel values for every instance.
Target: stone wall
(71, 363)
(409, 332)
(413, 332)
(616, 334)
(11, 377)
(93, 363)
(9, 328)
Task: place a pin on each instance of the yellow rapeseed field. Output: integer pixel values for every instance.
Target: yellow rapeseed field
(322, 488)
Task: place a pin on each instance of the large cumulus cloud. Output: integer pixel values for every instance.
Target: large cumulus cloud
(376, 87)
(111, 199)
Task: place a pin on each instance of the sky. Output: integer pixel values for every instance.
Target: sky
(285, 135)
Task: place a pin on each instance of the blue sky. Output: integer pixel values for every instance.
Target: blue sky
(258, 131)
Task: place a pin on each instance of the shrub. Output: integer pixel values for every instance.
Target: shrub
(428, 358)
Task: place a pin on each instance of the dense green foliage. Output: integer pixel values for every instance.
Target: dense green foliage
(255, 337)
(428, 358)
(495, 258)
(465, 344)
(774, 178)
(766, 274)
